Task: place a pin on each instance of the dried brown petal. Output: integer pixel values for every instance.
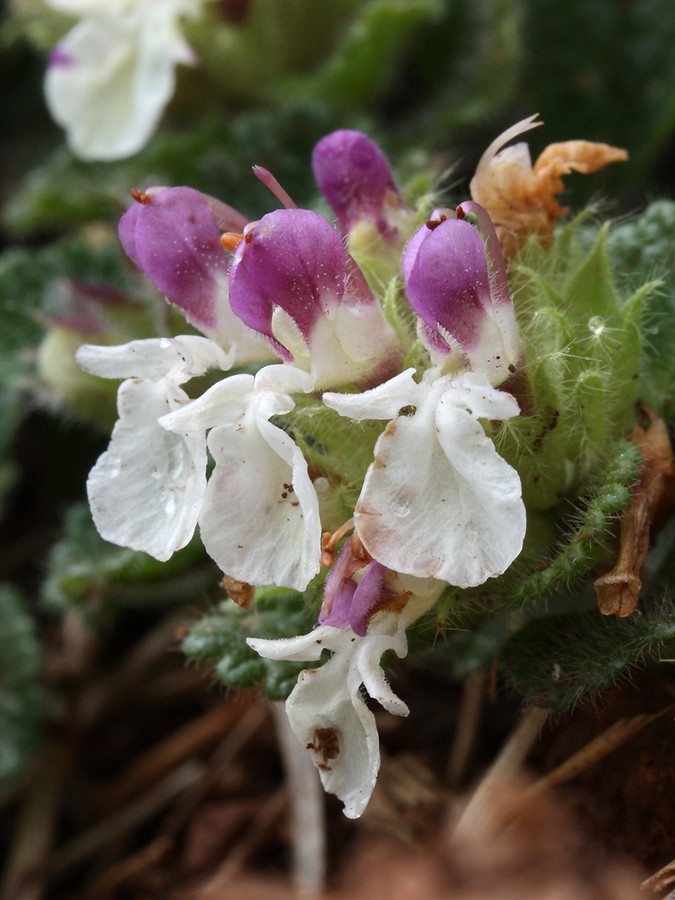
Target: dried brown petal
(521, 198)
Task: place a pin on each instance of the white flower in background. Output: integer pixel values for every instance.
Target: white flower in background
(111, 77)
(260, 514)
(326, 709)
(146, 490)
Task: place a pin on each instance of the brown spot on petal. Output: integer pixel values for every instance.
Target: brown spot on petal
(325, 743)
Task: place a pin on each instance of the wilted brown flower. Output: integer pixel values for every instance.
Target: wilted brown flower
(521, 198)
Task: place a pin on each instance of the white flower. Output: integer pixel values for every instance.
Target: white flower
(438, 501)
(326, 708)
(260, 515)
(113, 74)
(146, 490)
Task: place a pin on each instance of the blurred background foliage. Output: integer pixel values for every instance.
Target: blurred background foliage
(434, 82)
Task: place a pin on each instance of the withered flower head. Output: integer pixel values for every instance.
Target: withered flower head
(521, 198)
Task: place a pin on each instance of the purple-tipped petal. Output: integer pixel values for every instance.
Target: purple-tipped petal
(354, 176)
(292, 259)
(447, 280)
(367, 595)
(173, 237)
(348, 603)
(339, 590)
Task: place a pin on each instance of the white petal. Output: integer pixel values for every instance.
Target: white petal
(472, 391)
(145, 491)
(381, 402)
(385, 633)
(222, 404)
(243, 343)
(285, 378)
(303, 647)
(338, 729)
(438, 501)
(326, 709)
(260, 517)
(181, 357)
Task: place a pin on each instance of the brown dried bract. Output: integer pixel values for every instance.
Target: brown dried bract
(241, 592)
(619, 590)
(521, 198)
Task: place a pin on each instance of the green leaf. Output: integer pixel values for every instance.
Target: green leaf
(23, 700)
(220, 638)
(101, 579)
(643, 250)
(585, 546)
(29, 295)
(365, 60)
(560, 660)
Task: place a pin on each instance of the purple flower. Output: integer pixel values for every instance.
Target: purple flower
(349, 603)
(354, 176)
(463, 304)
(292, 281)
(173, 236)
(291, 259)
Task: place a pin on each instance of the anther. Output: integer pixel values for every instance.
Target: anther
(140, 197)
(231, 240)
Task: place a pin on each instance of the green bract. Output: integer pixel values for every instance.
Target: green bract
(583, 346)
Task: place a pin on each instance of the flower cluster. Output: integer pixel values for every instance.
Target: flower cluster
(437, 505)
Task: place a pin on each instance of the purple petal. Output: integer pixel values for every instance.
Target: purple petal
(354, 176)
(366, 597)
(173, 237)
(348, 603)
(447, 280)
(292, 259)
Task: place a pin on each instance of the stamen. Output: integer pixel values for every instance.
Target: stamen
(273, 185)
(359, 551)
(140, 197)
(434, 223)
(330, 541)
(231, 240)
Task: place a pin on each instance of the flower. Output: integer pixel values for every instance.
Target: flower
(438, 501)
(146, 490)
(173, 236)
(292, 282)
(326, 709)
(520, 197)
(354, 176)
(462, 306)
(113, 74)
(259, 517)
(348, 602)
